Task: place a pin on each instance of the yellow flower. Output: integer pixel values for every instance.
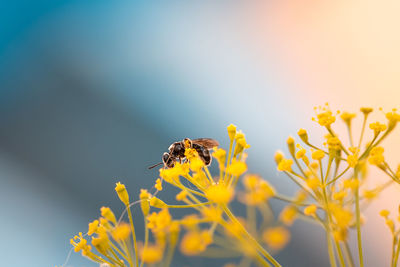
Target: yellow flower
(376, 156)
(366, 110)
(340, 235)
(317, 154)
(81, 245)
(158, 184)
(291, 147)
(190, 221)
(212, 213)
(276, 237)
(370, 194)
(303, 135)
(285, 165)
(220, 155)
(278, 157)
(195, 242)
(384, 213)
(352, 160)
(347, 117)
(343, 217)
(151, 254)
(219, 193)
(352, 183)
(325, 118)
(313, 183)
(333, 143)
(121, 232)
(122, 193)
(181, 196)
(144, 203)
(108, 214)
(301, 153)
(288, 215)
(339, 195)
(159, 221)
(231, 131)
(377, 127)
(236, 168)
(157, 203)
(310, 210)
(93, 227)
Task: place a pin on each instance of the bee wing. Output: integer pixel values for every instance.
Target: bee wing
(206, 142)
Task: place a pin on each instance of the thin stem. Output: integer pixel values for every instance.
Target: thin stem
(396, 257)
(347, 253)
(251, 238)
(358, 224)
(134, 237)
(188, 206)
(228, 160)
(362, 131)
(340, 175)
(146, 238)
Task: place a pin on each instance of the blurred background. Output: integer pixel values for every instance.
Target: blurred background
(93, 92)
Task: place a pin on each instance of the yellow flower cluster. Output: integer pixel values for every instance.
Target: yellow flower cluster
(333, 176)
(332, 182)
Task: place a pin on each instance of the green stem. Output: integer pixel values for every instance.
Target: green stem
(347, 254)
(358, 224)
(133, 236)
(396, 257)
(251, 238)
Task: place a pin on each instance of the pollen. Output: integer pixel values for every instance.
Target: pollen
(121, 232)
(158, 184)
(303, 135)
(377, 127)
(122, 193)
(285, 165)
(317, 154)
(93, 227)
(152, 254)
(288, 215)
(219, 193)
(108, 214)
(276, 237)
(231, 131)
(310, 210)
(237, 168)
(376, 156)
(195, 242)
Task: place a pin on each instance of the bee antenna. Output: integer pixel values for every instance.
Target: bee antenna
(155, 165)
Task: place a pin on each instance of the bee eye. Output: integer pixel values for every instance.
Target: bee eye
(165, 157)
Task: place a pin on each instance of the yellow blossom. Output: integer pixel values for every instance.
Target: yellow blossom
(159, 221)
(333, 143)
(366, 110)
(278, 157)
(144, 203)
(151, 254)
(370, 194)
(158, 184)
(158, 203)
(347, 117)
(236, 168)
(317, 154)
(313, 183)
(122, 193)
(310, 210)
(390, 224)
(195, 242)
(220, 155)
(377, 127)
(352, 160)
(231, 131)
(291, 146)
(376, 156)
(325, 118)
(196, 164)
(285, 165)
(276, 237)
(190, 221)
(288, 215)
(340, 234)
(212, 213)
(303, 135)
(339, 195)
(352, 183)
(181, 195)
(219, 193)
(384, 213)
(343, 217)
(107, 213)
(93, 227)
(301, 153)
(121, 232)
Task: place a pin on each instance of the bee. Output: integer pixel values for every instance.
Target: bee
(177, 151)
